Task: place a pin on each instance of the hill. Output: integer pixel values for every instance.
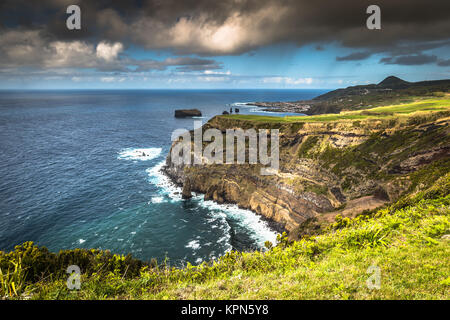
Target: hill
(391, 90)
(393, 82)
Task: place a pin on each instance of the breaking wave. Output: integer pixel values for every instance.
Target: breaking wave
(142, 154)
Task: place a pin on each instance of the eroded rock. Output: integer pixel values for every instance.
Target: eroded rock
(185, 113)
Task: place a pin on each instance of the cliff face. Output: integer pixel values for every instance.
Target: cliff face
(326, 168)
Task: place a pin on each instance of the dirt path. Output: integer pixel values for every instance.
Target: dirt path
(353, 208)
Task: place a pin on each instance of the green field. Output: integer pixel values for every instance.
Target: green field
(420, 106)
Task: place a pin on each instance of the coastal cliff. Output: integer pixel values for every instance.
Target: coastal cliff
(344, 167)
(389, 91)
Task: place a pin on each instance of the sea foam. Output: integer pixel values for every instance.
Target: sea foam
(159, 179)
(259, 229)
(142, 154)
(157, 200)
(194, 244)
(168, 188)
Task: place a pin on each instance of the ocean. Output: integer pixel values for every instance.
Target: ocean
(73, 174)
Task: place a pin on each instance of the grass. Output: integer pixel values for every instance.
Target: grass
(424, 105)
(406, 243)
(391, 111)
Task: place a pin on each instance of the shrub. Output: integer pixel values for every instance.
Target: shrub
(39, 262)
(12, 282)
(439, 94)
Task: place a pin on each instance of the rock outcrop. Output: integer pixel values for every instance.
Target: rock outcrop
(185, 113)
(326, 168)
(186, 193)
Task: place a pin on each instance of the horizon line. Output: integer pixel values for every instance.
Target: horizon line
(150, 89)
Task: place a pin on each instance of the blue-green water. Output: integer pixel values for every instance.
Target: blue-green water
(71, 175)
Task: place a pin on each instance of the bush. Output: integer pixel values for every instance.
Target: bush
(39, 262)
(12, 282)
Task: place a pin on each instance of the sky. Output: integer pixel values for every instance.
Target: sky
(228, 44)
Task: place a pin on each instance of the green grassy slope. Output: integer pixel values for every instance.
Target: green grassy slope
(408, 242)
(391, 111)
(391, 90)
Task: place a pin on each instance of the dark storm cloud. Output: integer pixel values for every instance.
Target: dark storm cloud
(230, 27)
(203, 67)
(444, 63)
(181, 63)
(411, 60)
(354, 56)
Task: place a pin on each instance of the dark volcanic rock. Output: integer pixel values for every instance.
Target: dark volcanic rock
(186, 194)
(184, 113)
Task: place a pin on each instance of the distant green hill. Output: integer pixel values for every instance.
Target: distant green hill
(391, 90)
(394, 82)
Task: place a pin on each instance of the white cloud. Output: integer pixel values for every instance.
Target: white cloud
(299, 81)
(69, 54)
(227, 73)
(107, 79)
(202, 35)
(213, 79)
(21, 48)
(288, 80)
(113, 79)
(108, 52)
(272, 79)
(30, 48)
